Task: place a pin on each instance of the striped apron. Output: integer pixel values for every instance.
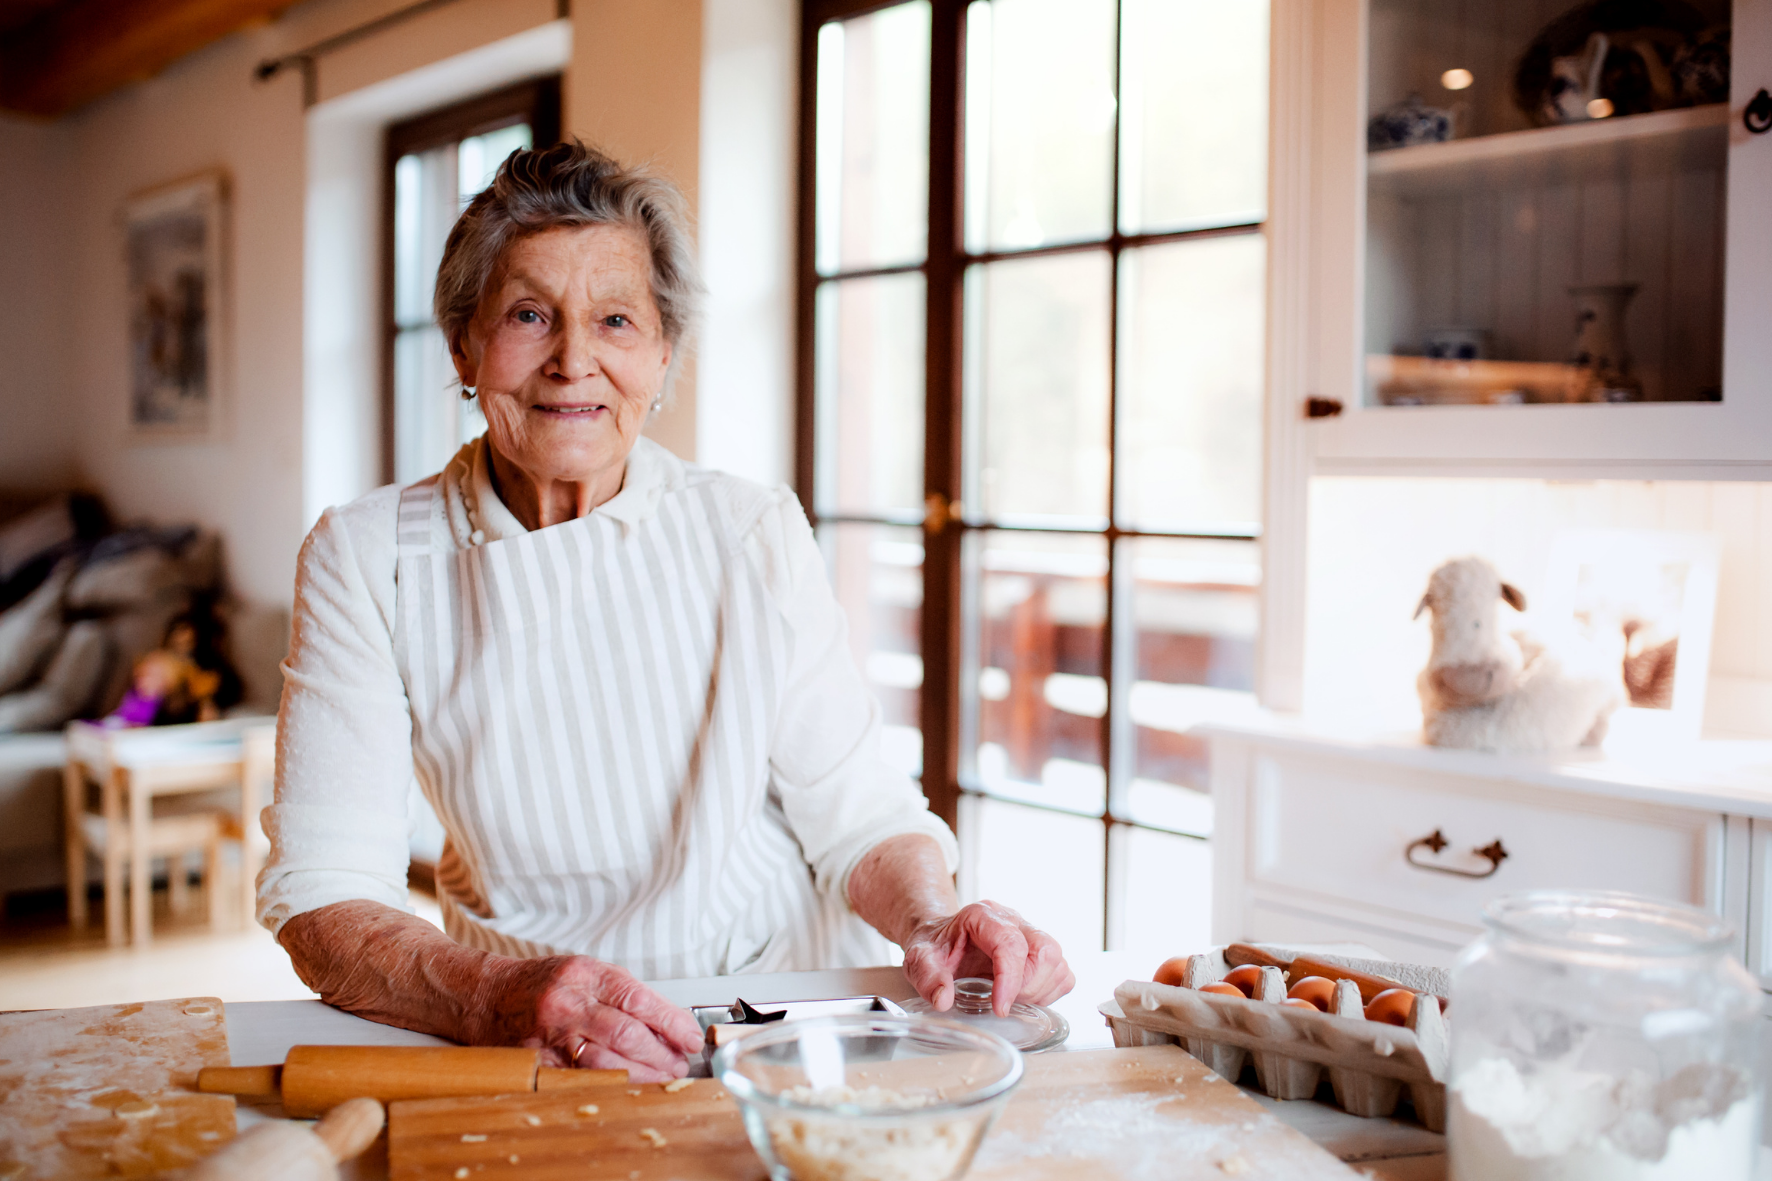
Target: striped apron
(592, 708)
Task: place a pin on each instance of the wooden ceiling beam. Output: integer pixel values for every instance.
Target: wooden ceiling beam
(79, 50)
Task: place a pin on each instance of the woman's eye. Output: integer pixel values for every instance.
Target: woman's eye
(528, 316)
(615, 321)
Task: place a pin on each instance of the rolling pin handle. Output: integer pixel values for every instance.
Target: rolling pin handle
(240, 1080)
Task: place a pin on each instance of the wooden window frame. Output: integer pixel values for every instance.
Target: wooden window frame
(535, 101)
(944, 526)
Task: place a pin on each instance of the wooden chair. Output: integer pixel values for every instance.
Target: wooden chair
(162, 792)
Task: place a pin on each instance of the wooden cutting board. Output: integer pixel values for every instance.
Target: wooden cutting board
(110, 1091)
(1153, 1113)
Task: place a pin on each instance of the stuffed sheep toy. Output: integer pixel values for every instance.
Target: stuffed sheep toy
(1487, 689)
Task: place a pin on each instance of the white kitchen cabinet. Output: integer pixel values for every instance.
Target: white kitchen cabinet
(1375, 252)
(1323, 837)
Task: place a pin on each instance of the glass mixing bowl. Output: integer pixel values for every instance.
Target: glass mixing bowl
(868, 1096)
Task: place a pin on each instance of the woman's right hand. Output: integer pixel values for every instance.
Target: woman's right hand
(587, 1013)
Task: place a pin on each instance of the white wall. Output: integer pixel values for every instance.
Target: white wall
(204, 113)
(749, 144)
(39, 334)
(1374, 541)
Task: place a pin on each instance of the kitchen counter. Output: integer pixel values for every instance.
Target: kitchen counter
(261, 1032)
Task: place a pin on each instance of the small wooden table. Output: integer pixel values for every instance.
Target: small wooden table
(134, 766)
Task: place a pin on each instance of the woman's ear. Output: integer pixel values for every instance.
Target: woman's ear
(467, 366)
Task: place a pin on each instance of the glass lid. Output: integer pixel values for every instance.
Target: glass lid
(1029, 1028)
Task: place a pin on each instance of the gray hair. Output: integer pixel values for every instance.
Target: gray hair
(570, 184)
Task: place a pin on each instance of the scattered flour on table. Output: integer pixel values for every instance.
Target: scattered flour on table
(1563, 1124)
(1143, 1143)
(837, 1149)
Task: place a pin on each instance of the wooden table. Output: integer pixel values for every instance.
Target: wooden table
(134, 766)
(1391, 1150)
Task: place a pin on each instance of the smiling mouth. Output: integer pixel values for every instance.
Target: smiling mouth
(569, 411)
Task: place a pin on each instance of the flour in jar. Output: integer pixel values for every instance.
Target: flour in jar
(1563, 1124)
(840, 1148)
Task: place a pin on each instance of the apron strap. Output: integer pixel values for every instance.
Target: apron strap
(419, 504)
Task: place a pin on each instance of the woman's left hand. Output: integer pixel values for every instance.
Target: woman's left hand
(986, 939)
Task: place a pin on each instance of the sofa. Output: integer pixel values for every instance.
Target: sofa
(81, 600)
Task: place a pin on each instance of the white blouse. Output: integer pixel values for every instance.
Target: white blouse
(345, 735)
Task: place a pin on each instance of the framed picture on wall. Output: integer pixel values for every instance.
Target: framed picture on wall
(176, 251)
(1647, 599)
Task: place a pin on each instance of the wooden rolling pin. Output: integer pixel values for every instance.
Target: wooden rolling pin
(284, 1151)
(315, 1079)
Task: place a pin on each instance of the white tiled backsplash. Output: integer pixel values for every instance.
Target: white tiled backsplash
(1374, 541)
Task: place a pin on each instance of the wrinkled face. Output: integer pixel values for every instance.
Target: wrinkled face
(567, 351)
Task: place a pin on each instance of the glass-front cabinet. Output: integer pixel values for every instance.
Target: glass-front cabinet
(1559, 234)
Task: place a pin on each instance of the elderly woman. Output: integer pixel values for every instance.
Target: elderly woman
(620, 680)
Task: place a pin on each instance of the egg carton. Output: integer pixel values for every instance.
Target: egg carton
(1370, 1063)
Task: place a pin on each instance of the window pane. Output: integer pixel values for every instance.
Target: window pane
(872, 173)
(1036, 388)
(1193, 317)
(425, 207)
(427, 407)
(877, 573)
(869, 361)
(1044, 864)
(1035, 606)
(479, 156)
(1162, 895)
(1193, 115)
(1039, 122)
(1191, 661)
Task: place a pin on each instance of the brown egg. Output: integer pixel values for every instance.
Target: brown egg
(1247, 979)
(1172, 970)
(1220, 988)
(1298, 1002)
(1316, 991)
(1391, 1006)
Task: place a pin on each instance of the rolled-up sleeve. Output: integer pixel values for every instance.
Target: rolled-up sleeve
(338, 827)
(840, 797)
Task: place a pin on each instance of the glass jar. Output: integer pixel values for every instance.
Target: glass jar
(1602, 1035)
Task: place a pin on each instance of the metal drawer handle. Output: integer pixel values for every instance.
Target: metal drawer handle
(1758, 115)
(1436, 840)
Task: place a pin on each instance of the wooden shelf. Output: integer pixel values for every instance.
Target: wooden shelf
(1660, 141)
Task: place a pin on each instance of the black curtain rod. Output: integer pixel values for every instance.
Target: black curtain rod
(306, 58)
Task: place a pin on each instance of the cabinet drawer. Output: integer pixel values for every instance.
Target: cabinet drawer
(1322, 828)
(1280, 922)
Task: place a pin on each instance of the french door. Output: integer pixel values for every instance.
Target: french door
(1031, 339)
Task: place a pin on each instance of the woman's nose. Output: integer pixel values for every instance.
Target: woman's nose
(575, 353)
